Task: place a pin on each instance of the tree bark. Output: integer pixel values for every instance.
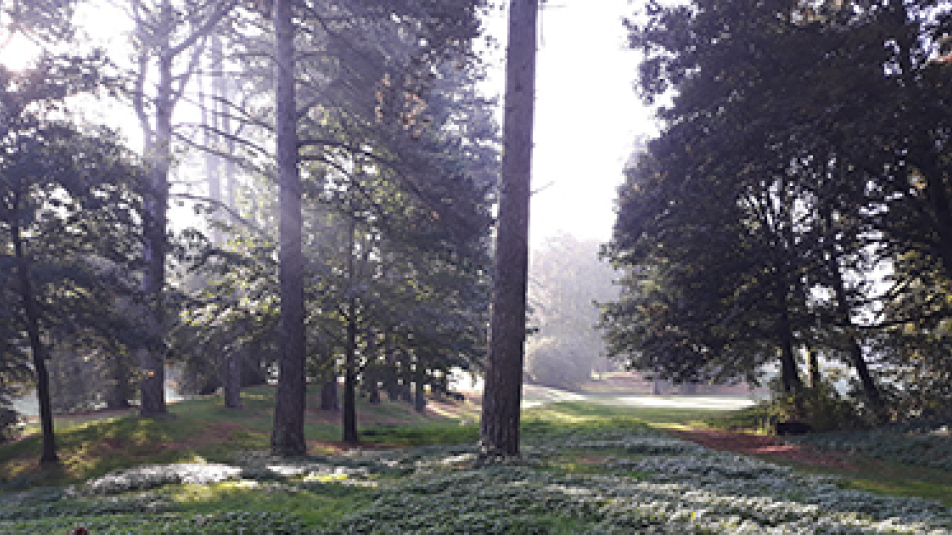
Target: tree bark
(419, 388)
(391, 375)
(118, 395)
(232, 374)
(287, 436)
(151, 351)
(502, 397)
(349, 414)
(48, 455)
(813, 367)
(854, 349)
(789, 375)
(371, 369)
(330, 399)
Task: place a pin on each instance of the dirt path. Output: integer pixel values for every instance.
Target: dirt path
(768, 446)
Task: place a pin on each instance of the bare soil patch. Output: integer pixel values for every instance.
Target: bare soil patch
(767, 446)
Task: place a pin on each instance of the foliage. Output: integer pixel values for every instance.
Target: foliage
(566, 280)
(68, 222)
(922, 443)
(820, 405)
(755, 225)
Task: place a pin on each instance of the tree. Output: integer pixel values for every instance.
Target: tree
(770, 188)
(438, 29)
(164, 33)
(67, 214)
(566, 280)
(499, 427)
(287, 435)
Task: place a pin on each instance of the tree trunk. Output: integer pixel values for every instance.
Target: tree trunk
(854, 349)
(287, 436)
(349, 414)
(372, 369)
(789, 375)
(419, 388)
(813, 367)
(210, 120)
(232, 374)
(330, 399)
(391, 375)
(253, 372)
(117, 397)
(843, 310)
(48, 455)
(502, 397)
(158, 150)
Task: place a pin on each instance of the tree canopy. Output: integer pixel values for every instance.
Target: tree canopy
(752, 226)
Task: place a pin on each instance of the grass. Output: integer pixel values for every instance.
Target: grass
(203, 431)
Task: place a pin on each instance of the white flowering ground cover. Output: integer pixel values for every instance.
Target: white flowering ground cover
(920, 443)
(621, 478)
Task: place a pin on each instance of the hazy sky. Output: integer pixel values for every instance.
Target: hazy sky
(587, 114)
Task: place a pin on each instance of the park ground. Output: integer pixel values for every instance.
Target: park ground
(604, 462)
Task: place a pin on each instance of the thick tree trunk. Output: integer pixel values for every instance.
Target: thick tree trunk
(499, 429)
(287, 436)
(48, 454)
(151, 352)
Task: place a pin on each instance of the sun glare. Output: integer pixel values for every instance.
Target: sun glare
(18, 53)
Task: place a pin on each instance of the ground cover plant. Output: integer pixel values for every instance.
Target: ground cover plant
(926, 443)
(585, 468)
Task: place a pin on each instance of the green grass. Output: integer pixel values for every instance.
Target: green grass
(202, 430)
(752, 419)
(205, 429)
(314, 508)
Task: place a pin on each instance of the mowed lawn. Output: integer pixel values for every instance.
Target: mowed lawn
(585, 468)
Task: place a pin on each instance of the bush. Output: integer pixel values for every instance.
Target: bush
(821, 406)
(558, 363)
(9, 424)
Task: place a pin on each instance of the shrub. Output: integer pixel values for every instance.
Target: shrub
(9, 424)
(821, 406)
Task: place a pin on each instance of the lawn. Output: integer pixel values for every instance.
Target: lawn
(585, 468)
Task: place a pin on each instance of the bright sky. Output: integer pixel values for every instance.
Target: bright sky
(587, 114)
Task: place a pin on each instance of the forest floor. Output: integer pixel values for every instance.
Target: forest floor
(586, 467)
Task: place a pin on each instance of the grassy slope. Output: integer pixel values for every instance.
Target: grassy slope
(204, 429)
